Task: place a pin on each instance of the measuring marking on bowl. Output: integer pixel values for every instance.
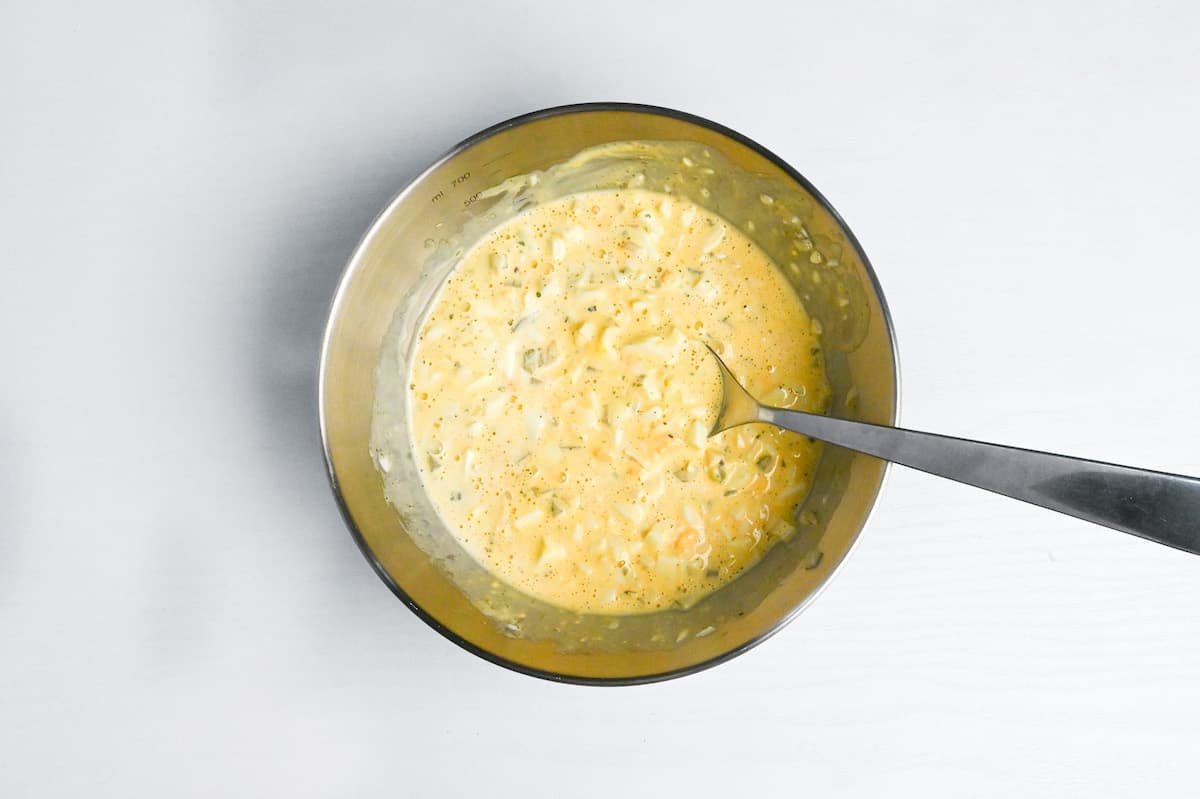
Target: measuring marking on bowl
(489, 177)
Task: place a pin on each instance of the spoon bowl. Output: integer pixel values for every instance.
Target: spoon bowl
(1157, 506)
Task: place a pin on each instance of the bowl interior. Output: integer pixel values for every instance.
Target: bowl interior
(407, 254)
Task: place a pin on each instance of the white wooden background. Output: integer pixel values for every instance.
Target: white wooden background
(182, 613)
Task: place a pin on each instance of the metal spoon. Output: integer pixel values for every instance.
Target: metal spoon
(1156, 506)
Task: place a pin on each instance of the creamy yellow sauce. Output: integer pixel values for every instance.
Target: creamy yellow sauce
(562, 397)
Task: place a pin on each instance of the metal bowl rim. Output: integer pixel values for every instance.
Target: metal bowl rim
(334, 312)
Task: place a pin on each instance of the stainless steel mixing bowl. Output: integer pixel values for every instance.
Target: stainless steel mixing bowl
(750, 187)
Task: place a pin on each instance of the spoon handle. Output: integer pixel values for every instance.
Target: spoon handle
(1157, 506)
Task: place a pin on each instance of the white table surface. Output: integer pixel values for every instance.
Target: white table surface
(181, 610)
